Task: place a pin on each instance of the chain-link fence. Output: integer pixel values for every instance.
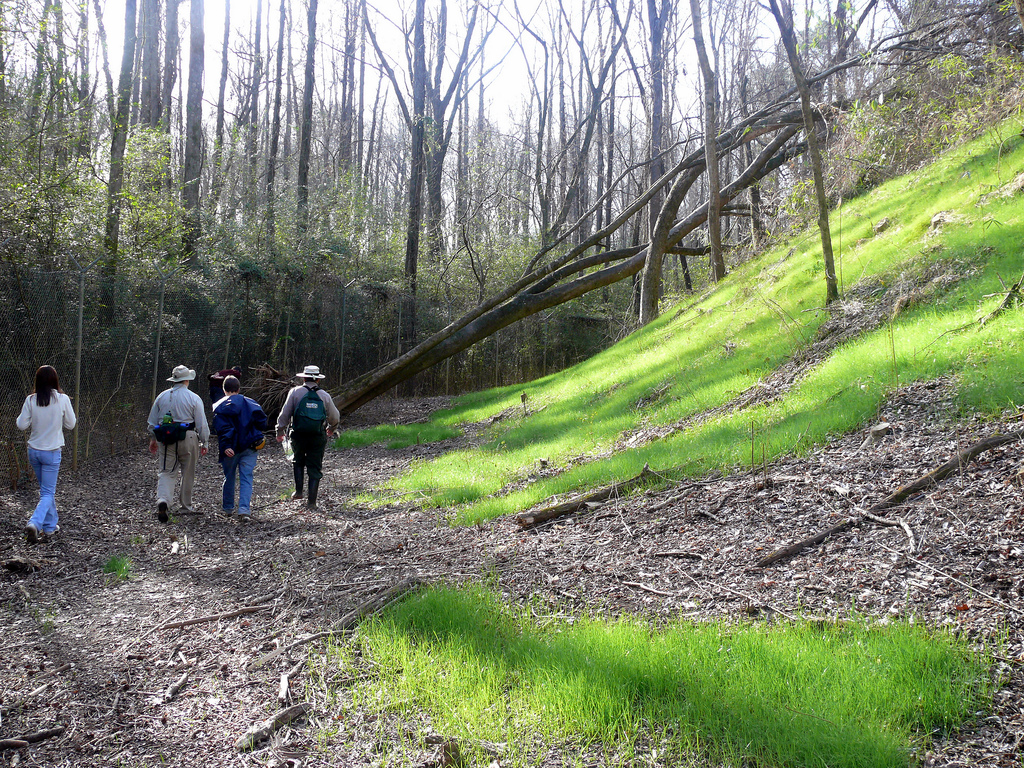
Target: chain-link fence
(114, 341)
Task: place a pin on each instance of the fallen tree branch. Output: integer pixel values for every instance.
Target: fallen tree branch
(912, 541)
(175, 688)
(215, 617)
(1012, 297)
(575, 504)
(373, 605)
(20, 742)
(282, 691)
(265, 729)
(934, 477)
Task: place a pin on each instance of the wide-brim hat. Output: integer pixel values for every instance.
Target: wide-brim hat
(182, 373)
(310, 372)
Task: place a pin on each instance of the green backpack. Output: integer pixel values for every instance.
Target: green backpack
(310, 413)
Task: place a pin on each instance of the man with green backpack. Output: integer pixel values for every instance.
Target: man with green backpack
(313, 417)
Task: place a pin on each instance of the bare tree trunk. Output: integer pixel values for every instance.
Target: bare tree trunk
(275, 136)
(305, 137)
(163, 106)
(118, 140)
(650, 283)
(250, 196)
(784, 18)
(84, 96)
(193, 162)
(710, 134)
(36, 89)
(111, 104)
(218, 142)
(149, 97)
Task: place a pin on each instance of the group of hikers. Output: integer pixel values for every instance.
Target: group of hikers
(180, 435)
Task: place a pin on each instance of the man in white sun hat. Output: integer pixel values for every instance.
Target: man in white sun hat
(179, 434)
(313, 416)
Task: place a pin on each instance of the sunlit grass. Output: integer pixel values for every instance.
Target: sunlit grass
(713, 347)
(394, 436)
(804, 694)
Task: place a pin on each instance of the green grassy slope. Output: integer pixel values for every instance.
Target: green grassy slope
(710, 349)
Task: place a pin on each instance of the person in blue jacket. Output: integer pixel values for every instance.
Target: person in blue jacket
(239, 422)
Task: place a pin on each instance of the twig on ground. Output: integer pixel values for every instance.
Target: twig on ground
(175, 688)
(20, 742)
(957, 463)
(214, 617)
(266, 728)
(912, 542)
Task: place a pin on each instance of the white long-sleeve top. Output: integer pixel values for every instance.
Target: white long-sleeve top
(47, 422)
(183, 405)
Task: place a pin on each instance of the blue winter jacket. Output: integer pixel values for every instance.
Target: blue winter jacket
(239, 422)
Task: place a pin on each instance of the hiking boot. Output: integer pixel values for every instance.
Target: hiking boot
(296, 495)
(314, 489)
(244, 519)
(31, 534)
(161, 511)
(298, 472)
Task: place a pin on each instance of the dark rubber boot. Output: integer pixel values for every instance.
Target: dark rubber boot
(298, 482)
(314, 488)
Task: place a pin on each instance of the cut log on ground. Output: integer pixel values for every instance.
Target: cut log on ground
(934, 477)
(265, 729)
(575, 504)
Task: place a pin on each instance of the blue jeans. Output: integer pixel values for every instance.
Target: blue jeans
(46, 465)
(244, 463)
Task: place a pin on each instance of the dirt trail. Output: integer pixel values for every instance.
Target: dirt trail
(86, 652)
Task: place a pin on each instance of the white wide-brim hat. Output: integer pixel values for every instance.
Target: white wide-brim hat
(311, 372)
(182, 373)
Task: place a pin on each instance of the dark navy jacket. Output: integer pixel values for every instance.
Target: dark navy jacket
(239, 421)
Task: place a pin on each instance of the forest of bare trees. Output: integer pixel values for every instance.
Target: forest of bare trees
(459, 167)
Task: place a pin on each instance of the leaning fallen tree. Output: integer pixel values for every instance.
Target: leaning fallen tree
(549, 282)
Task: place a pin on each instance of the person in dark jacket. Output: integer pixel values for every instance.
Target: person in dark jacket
(239, 422)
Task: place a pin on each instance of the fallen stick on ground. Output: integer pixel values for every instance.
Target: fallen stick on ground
(214, 617)
(20, 742)
(368, 607)
(575, 504)
(282, 691)
(265, 729)
(174, 689)
(934, 477)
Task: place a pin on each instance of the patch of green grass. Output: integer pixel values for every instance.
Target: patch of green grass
(119, 566)
(803, 694)
(713, 347)
(396, 436)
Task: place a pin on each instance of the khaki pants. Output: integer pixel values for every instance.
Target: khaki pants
(170, 459)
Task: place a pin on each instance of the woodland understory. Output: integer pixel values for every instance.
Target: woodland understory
(141, 672)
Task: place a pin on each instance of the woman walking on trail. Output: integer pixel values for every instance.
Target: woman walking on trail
(47, 412)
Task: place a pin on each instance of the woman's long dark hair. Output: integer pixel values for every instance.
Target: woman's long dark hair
(46, 384)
